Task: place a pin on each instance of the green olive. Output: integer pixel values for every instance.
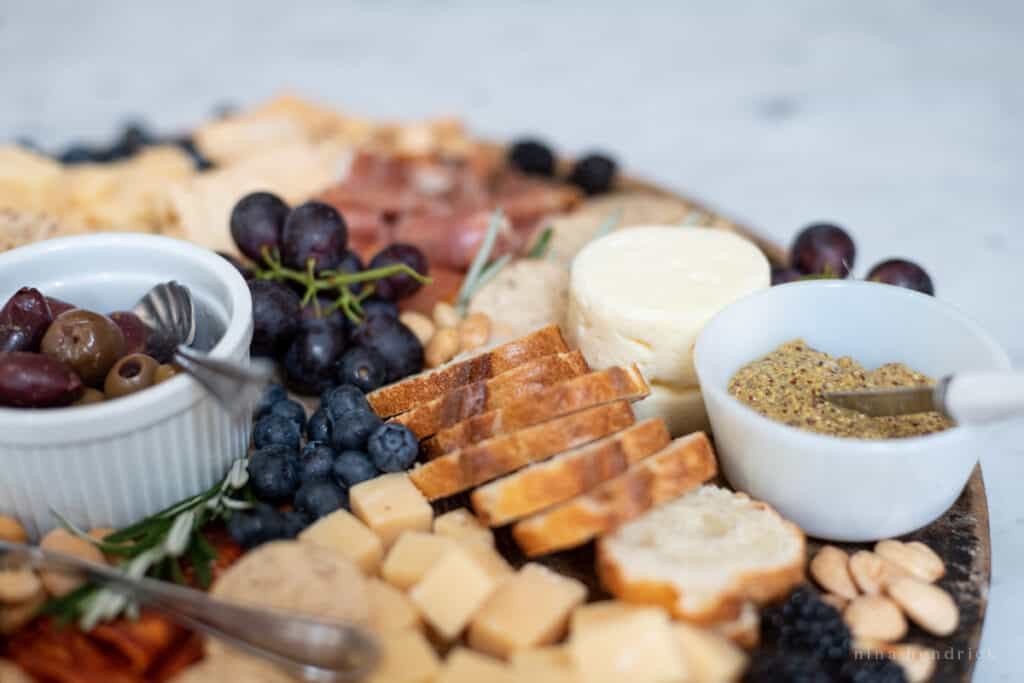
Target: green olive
(164, 372)
(90, 396)
(130, 374)
(89, 343)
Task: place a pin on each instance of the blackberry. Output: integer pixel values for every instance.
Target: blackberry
(868, 669)
(805, 623)
(787, 668)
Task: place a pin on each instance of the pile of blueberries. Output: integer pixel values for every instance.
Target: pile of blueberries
(345, 444)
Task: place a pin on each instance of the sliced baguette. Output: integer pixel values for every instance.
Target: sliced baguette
(567, 475)
(479, 463)
(565, 397)
(684, 464)
(703, 556)
(408, 393)
(519, 383)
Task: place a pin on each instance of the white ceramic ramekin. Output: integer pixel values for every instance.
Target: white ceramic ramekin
(112, 463)
(839, 488)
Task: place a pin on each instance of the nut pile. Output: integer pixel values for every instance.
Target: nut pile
(448, 334)
(877, 591)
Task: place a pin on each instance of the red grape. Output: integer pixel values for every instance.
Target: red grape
(823, 249)
(256, 222)
(275, 313)
(401, 285)
(902, 274)
(398, 346)
(314, 231)
(29, 312)
(309, 364)
(781, 276)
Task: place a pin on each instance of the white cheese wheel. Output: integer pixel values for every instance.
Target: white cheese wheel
(681, 409)
(643, 295)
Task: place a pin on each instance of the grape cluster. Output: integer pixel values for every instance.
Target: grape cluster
(316, 309)
(311, 464)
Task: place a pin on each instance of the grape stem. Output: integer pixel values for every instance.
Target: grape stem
(332, 281)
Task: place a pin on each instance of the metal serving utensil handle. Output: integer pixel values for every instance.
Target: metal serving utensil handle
(981, 397)
(311, 649)
(236, 387)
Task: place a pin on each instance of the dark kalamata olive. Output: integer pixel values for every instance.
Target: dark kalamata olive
(13, 338)
(88, 342)
(28, 311)
(32, 380)
(133, 329)
(57, 306)
(132, 373)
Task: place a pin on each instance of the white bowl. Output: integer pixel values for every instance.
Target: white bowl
(112, 463)
(835, 488)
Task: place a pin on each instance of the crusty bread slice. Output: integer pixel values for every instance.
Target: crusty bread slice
(565, 397)
(703, 555)
(567, 475)
(469, 467)
(685, 463)
(466, 401)
(744, 630)
(403, 395)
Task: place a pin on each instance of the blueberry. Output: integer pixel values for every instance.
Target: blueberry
(319, 426)
(594, 173)
(362, 367)
(274, 429)
(273, 474)
(352, 467)
(533, 157)
(259, 524)
(291, 410)
(293, 523)
(351, 430)
(318, 498)
(341, 400)
(271, 395)
(316, 461)
(393, 448)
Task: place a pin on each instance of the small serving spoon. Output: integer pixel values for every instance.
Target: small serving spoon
(310, 649)
(965, 398)
(180, 331)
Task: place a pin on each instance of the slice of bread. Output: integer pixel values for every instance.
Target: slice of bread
(403, 395)
(479, 463)
(567, 475)
(684, 464)
(559, 399)
(466, 401)
(744, 630)
(703, 556)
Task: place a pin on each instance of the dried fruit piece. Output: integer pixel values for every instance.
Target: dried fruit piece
(875, 617)
(928, 606)
(830, 569)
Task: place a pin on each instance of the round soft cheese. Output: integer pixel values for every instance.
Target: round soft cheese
(643, 295)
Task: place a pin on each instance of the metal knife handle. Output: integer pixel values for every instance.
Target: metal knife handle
(982, 397)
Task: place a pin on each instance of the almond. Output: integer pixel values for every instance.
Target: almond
(63, 541)
(11, 530)
(442, 348)
(875, 617)
(18, 585)
(916, 558)
(474, 331)
(829, 569)
(872, 572)
(837, 601)
(917, 662)
(928, 606)
(422, 326)
(445, 315)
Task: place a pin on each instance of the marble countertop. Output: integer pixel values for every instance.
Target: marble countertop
(900, 121)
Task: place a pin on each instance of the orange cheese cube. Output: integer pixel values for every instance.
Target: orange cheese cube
(411, 556)
(389, 505)
(341, 531)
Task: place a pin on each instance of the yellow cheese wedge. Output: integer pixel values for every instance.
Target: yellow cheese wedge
(343, 532)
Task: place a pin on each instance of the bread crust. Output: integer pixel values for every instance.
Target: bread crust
(408, 393)
(476, 464)
(560, 398)
(568, 474)
(684, 464)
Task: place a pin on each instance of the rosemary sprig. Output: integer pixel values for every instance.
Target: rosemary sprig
(155, 546)
(540, 247)
(477, 270)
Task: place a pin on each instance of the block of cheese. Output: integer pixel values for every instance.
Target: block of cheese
(343, 532)
(531, 608)
(640, 647)
(389, 505)
(411, 556)
(456, 587)
(390, 608)
(462, 525)
(406, 657)
(551, 664)
(681, 409)
(466, 666)
(604, 611)
(709, 657)
(643, 295)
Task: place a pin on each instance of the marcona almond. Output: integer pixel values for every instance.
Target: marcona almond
(876, 618)
(837, 601)
(872, 572)
(928, 606)
(13, 617)
(917, 662)
(474, 331)
(11, 530)
(829, 569)
(917, 558)
(445, 315)
(422, 326)
(18, 585)
(442, 348)
(63, 541)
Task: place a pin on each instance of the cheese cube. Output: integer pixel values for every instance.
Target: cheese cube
(390, 608)
(463, 525)
(530, 609)
(639, 648)
(406, 657)
(603, 611)
(452, 590)
(550, 664)
(466, 666)
(709, 656)
(411, 556)
(341, 531)
(391, 504)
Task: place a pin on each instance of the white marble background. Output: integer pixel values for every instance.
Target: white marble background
(899, 120)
